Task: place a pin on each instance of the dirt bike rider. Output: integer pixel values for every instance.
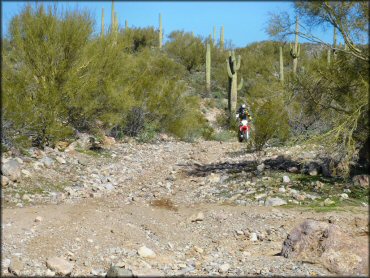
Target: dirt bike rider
(243, 113)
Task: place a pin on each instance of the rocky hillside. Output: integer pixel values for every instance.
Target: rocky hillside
(173, 208)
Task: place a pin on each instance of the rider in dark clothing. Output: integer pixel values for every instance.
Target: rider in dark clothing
(243, 113)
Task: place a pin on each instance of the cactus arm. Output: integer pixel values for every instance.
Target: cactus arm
(240, 86)
(237, 66)
(233, 55)
(229, 73)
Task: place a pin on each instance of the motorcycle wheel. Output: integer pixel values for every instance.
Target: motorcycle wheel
(240, 138)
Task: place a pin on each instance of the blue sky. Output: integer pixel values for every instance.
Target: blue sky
(244, 22)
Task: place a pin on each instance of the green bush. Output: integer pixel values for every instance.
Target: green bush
(187, 49)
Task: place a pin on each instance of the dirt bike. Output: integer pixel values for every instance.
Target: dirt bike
(244, 130)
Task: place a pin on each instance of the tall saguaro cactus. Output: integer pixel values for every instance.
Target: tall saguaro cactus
(222, 38)
(328, 57)
(160, 32)
(102, 23)
(281, 62)
(294, 52)
(126, 24)
(208, 68)
(112, 23)
(334, 43)
(233, 66)
(214, 34)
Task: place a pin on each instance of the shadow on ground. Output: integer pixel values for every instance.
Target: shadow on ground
(280, 163)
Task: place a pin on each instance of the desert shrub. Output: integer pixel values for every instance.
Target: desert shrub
(136, 39)
(270, 122)
(186, 49)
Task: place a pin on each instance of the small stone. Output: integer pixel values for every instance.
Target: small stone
(4, 181)
(299, 197)
(214, 178)
(16, 266)
(117, 271)
(293, 170)
(146, 252)
(198, 217)
(49, 273)
(19, 160)
(38, 219)
(26, 172)
(261, 167)
(82, 161)
(275, 202)
(313, 172)
(253, 237)
(59, 265)
(328, 202)
(47, 161)
(6, 263)
(344, 196)
(239, 233)
(61, 160)
(246, 254)
(286, 179)
(224, 268)
(26, 197)
(95, 195)
(362, 180)
(282, 190)
(198, 249)
(11, 169)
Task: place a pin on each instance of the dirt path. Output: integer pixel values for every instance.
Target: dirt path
(160, 205)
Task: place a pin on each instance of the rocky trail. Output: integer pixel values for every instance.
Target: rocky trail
(177, 208)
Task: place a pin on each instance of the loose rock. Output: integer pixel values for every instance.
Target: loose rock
(59, 265)
(146, 252)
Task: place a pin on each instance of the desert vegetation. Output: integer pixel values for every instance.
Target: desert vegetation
(61, 77)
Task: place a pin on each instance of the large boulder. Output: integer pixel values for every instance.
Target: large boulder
(324, 243)
(11, 169)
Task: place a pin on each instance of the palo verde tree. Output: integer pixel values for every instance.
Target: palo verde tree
(337, 94)
(44, 47)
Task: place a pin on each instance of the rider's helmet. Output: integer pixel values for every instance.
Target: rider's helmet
(243, 106)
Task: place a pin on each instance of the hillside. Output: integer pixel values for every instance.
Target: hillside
(121, 155)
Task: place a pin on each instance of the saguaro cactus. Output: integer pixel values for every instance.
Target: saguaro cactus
(102, 23)
(126, 24)
(334, 43)
(160, 32)
(112, 24)
(281, 75)
(294, 52)
(214, 34)
(233, 66)
(328, 57)
(208, 68)
(222, 38)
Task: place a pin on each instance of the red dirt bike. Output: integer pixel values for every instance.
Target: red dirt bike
(244, 130)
